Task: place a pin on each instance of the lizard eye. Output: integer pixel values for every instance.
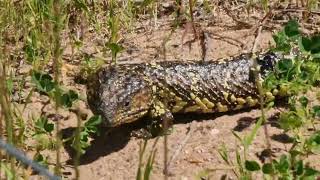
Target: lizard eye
(126, 103)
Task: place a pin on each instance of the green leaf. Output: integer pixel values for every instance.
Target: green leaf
(252, 165)
(294, 153)
(313, 143)
(83, 142)
(245, 176)
(237, 136)
(290, 120)
(311, 71)
(223, 152)
(310, 172)
(93, 121)
(146, 3)
(149, 165)
(268, 168)
(81, 4)
(38, 157)
(311, 45)
(44, 82)
(239, 162)
(31, 49)
(285, 65)
(315, 56)
(292, 28)
(44, 141)
(42, 125)
(282, 42)
(316, 110)
(284, 69)
(49, 127)
(115, 49)
(299, 168)
(7, 171)
(315, 45)
(283, 165)
(84, 136)
(304, 101)
(10, 85)
(68, 98)
(286, 177)
(304, 44)
(91, 126)
(247, 140)
(271, 82)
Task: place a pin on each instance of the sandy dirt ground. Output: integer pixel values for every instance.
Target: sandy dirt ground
(115, 154)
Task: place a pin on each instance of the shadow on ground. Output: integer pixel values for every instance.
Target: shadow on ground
(111, 140)
(114, 139)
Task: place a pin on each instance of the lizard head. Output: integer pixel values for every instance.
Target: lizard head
(119, 96)
(268, 62)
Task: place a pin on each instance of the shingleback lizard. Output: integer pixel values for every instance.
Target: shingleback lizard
(124, 93)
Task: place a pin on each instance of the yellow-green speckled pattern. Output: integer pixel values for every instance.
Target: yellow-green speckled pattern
(125, 93)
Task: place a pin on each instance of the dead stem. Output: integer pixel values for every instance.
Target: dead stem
(257, 77)
(78, 146)
(56, 66)
(4, 98)
(192, 19)
(166, 151)
(181, 145)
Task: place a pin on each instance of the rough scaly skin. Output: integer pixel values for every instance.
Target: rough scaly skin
(125, 93)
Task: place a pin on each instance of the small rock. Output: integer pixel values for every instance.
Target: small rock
(214, 132)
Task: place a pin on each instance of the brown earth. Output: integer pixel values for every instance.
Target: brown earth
(115, 155)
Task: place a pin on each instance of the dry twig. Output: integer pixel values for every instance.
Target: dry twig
(181, 145)
(257, 77)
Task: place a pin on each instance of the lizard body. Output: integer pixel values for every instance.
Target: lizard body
(125, 93)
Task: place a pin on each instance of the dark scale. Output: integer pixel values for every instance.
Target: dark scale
(125, 93)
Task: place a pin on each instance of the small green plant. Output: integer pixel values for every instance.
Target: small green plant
(293, 76)
(290, 166)
(44, 83)
(145, 172)
(128, 15)
(89, 66)
(243, 167)
(36, 33)
(81, 141)
(287, 167)
(42, 135)
(114, 28)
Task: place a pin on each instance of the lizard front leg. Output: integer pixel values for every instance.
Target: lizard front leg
(162, 119)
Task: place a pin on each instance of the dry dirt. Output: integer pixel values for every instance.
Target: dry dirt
(115, 155)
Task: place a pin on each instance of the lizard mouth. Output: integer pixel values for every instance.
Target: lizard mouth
(128, 117)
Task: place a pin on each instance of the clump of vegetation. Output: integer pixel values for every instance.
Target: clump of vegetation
(293, 76)
(37, 34)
